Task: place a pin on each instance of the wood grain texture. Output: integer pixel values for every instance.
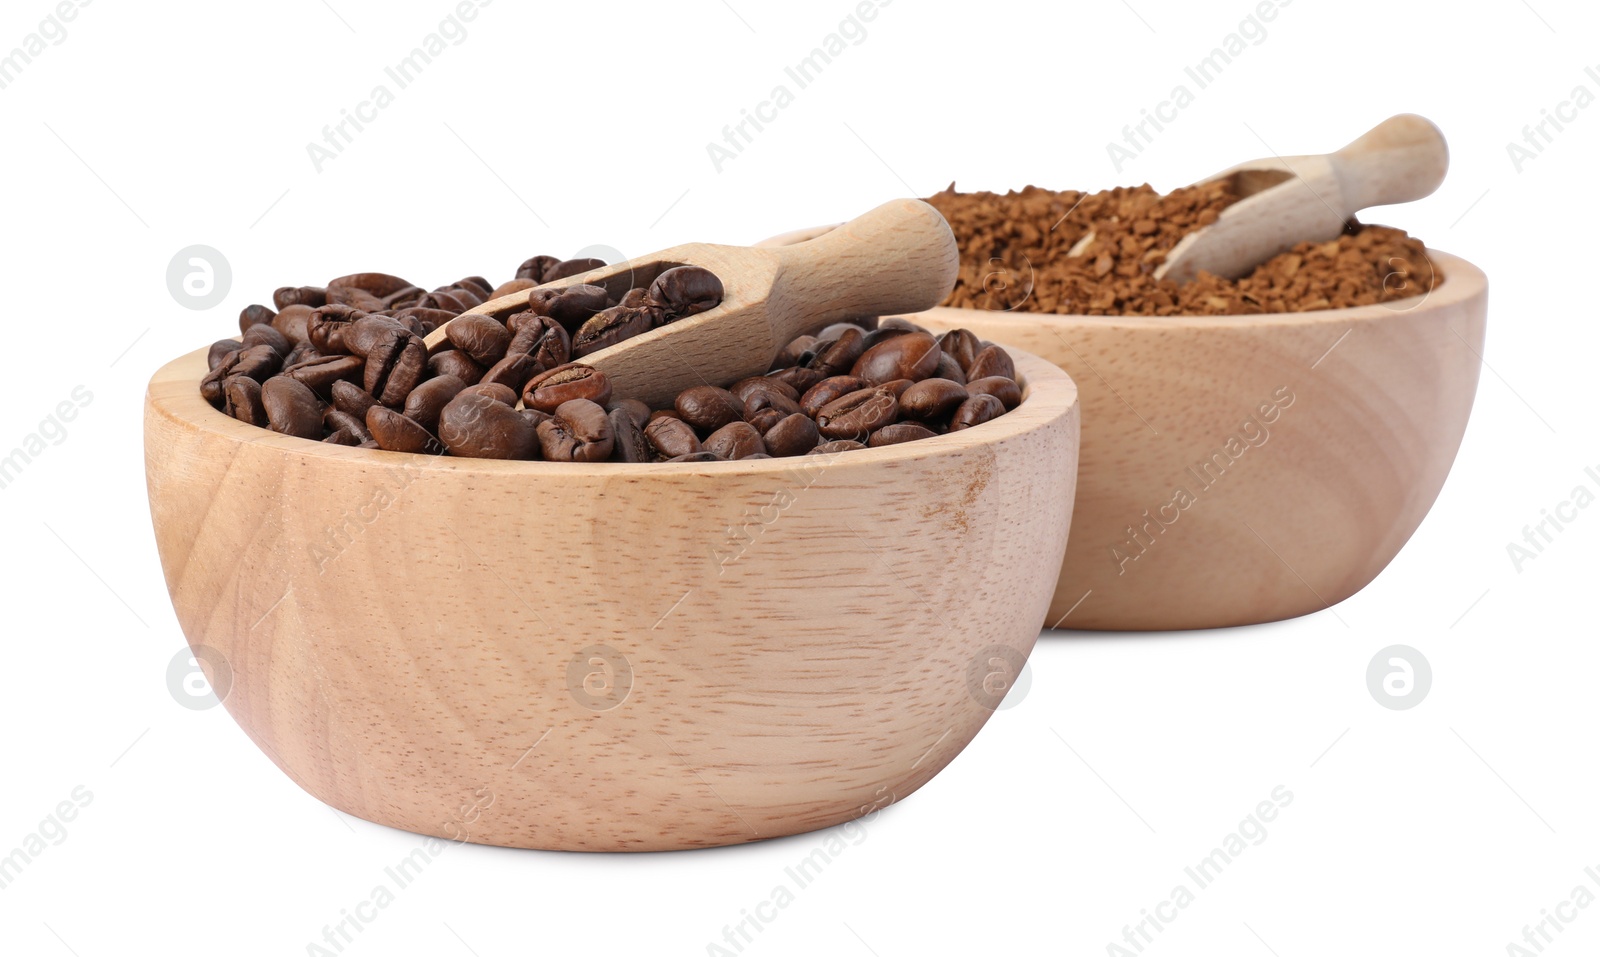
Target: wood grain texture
(899, 257)
(1294, 199)
(410, 637)
(1298, 524)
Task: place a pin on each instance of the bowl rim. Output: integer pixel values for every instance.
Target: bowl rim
(1048, 395)
(1462, 281)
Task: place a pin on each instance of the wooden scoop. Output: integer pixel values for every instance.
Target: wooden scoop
(1287, 200)
(898, 258)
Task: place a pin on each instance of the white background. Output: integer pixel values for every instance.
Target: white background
(1441, 829)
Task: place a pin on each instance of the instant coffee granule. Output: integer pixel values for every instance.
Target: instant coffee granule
(1016, 254)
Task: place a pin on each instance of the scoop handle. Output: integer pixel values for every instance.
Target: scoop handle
(898, 258)
(1402, 159)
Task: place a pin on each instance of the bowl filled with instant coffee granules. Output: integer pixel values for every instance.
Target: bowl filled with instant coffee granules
(530, 610)
(1253, 448)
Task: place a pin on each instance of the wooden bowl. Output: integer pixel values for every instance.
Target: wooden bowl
(1303, 518)
(610, 656)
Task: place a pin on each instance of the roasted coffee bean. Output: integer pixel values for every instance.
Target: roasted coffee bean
(378, 284)
(544, 339)
(912, 355)
(701, 456)
(708, 408)
(353, 299)
(264, 335)
(394, 366)
(394, 432)
(336, 421)
(977, 410)
(671, 436)
(578, 432)
(884, 334)
(1002, 388)
(571, 306)
(258, 362)
(839, 356)
(242, 400)
(360, 336)
(535, 268)
(858, 415)
(292, 408)
(402, 299)
(219, 351)
(609, 327)
(797, 352)
(685, 291)
(326, 327)
(429, 319)
(736, 440)
(302, 352)
(321, 373)
(550, 388)
(312, 296)
(572, 267)
(352, 399)
(793, 435)
(636, 410)
(744, 388)
(949, 368)
(797, 378)
(254, 315)
(960, 345)
(992, 361)
(838, 445)
(361, 344)
(764, 419)
(932, 399)
(511, 287)
(494, 390)
(446, 299)
(482, 338)
(827, 390)
(628, 441)
(292, 323)
(534, 416)
(513, 372)
(457, 363)
(474, 424)
(898, 433)
(427, 400)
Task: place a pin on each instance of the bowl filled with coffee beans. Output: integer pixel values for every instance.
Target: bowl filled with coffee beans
(563, 606)
(1255, 446)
